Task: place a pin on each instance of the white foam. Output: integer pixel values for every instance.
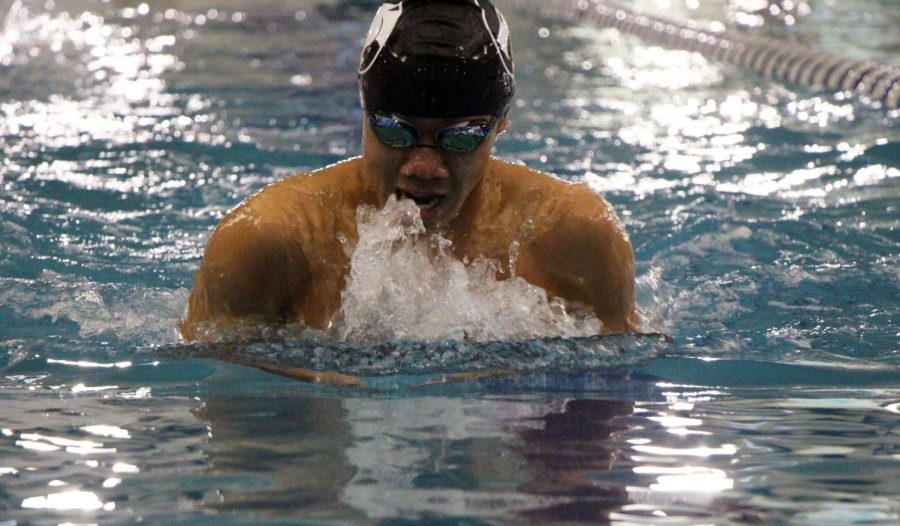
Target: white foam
(133, 313)
(405, 284)
(657, 302)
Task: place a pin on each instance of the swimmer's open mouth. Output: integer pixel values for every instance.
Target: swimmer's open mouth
(423, 201)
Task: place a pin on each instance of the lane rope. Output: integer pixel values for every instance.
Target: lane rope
(774, 59)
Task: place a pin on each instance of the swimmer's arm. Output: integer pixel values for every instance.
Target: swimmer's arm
(250, 275)
(587, 259)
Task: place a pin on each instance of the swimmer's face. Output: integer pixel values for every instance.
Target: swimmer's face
(439, 181)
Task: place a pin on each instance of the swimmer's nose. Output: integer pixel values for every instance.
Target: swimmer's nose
(425, 162)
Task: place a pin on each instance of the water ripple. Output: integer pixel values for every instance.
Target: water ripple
(429, 357)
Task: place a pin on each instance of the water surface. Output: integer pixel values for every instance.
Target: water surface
(764, 220)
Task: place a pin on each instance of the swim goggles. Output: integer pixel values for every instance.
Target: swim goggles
(459, 138)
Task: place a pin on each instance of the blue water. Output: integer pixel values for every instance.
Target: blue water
(764, 219)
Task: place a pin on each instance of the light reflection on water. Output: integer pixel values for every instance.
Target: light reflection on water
(68, 500)
(540, 454)
(764, 221)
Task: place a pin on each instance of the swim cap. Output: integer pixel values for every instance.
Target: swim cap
(437, 58)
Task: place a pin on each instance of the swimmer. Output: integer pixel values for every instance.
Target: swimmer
(436, 83)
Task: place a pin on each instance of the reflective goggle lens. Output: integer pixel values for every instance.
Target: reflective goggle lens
(463, 138)
(393, 132)
(397, 133)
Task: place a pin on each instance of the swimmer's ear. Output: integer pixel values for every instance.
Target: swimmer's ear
(502, 125)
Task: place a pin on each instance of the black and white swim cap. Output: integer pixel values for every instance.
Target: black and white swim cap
(437, 58)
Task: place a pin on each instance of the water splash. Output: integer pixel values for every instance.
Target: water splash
(405, 284)
(79, 310)
(657, 302)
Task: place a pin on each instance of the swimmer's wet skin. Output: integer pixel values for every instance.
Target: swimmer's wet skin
(436, 82)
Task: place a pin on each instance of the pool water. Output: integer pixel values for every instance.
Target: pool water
(766, 232)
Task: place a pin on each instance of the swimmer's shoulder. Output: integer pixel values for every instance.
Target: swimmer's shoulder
(572, 223)
(257, 262)
(304, 199)
(512, 175)
(332, 174)
(532, 189)
(289, 214)
(562, 213)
